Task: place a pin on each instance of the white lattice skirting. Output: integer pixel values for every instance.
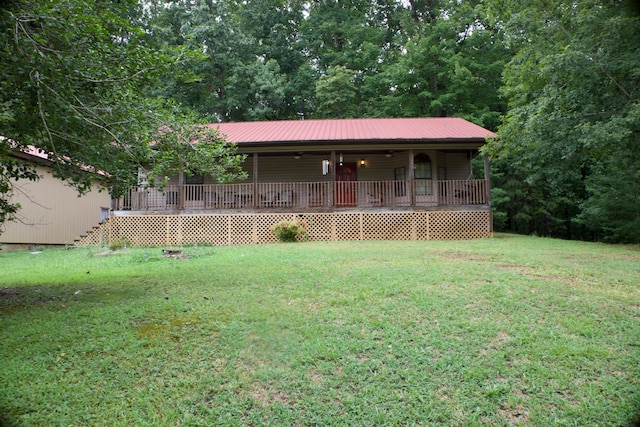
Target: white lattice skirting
(238, 229)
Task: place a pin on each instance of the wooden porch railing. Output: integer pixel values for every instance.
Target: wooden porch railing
(307, 195)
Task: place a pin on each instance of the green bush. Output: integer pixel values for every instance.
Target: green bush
(289, 231)
(118, 244)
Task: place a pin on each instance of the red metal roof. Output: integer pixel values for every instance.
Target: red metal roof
(405, 129)
(31, 153)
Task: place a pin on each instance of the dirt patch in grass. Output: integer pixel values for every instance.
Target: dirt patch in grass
(496, 343)
(171, 328)
(267, 395)
(625, 257)
(442, 394)
(583, 259)
(514, 416)
(566, 277)
(518, 268)
(110, 252)
(461, 256)
(316, 377)
(533, 272)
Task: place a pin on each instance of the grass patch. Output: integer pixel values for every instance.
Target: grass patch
(505, 331)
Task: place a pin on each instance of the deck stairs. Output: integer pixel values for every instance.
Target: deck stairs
(97, 236)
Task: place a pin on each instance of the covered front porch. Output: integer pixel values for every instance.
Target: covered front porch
(308, 196)
(323, 181)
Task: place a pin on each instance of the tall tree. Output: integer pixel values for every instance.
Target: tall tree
(204, 84)
(75, 84)
(451, 66)
(363, 36)
(275, 27)
(72, 76)
(334, 94)
(573, 125)
(419, 58)
(251, 62)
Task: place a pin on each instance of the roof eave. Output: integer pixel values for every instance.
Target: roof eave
(376, 142)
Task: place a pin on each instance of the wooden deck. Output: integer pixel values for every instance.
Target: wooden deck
(234, 214)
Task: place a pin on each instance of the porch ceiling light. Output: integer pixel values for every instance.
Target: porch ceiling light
(297, 156)
(388, 154)
(362, 164)
(341, 159)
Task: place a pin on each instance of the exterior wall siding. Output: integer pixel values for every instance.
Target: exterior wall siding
(458, 166)
(51, 212)
(287, 169)
(378, 167)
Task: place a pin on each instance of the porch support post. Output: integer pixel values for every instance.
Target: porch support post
(181, 189)
(333, 169)
(435, 179)
(487, 184)
(410, 177)
(254, 199)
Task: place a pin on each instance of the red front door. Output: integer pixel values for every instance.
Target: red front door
(346, 177)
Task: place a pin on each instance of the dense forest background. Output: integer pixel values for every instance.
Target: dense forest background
(558, 80)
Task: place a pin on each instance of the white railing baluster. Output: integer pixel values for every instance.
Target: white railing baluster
(308, 195)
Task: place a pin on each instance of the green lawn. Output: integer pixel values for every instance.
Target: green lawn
(506, 331)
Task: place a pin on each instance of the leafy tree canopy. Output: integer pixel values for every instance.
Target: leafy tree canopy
(75, 83)
(11, 169)
(194, 149)
(573, 126)
(265, 59)
(335, 92)
(73, 73)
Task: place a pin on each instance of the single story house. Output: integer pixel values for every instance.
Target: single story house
(52, 212)
(348, 179)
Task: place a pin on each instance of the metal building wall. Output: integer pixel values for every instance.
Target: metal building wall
(52, 212)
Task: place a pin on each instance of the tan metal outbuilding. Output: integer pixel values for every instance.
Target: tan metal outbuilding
(52, 212)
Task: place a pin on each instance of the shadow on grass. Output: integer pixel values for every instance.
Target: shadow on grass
(5, 421)
(30, 296)
(18, 298)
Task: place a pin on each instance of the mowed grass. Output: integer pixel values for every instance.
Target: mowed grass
(506, 331)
